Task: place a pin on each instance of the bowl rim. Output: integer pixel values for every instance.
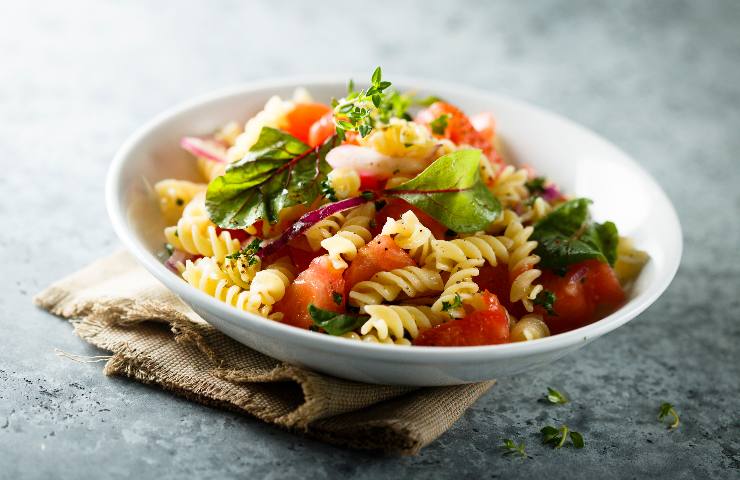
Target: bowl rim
(318, 341)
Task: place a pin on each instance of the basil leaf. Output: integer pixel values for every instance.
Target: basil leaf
(451, 191)
(567, 235)
(279, 171)
(335, 323)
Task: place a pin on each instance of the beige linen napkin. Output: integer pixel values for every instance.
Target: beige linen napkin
(155, 338)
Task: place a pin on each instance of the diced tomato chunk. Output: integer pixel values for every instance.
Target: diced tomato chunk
(369, 181)
(588, 291)
(483, 327)
(378, 255)
(497, 280)
(397, 207)
(316, 285)
(237, 233)
(459, 128)
(302, 117)
(321, 129)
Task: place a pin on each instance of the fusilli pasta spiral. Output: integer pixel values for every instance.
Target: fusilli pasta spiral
(410, 234)
(392, 321)
(387, 286)
(343, 245)
(345, 182)
(372, 338)
(522, 264)
(460, 285)
(268, 286)
(174, 195)
(205, 275)
(509, 186)
(196, 234)
(474, 250)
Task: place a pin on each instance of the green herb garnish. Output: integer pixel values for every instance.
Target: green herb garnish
(451, 191)
(557, 437)
(567, 235)
(666, 409)
(335, 323)
(328, 191)
(455, 303)
(536, 186)
(248, 253)
(439, 124)
(337, 297)
(357, 112)
(170, 249)
(546, 299)
(554, 396)
(512, 448)
(279, 171)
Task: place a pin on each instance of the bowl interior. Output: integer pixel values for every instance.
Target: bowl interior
(582, 163)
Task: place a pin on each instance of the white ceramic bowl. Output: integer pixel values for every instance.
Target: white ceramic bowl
(581, 162)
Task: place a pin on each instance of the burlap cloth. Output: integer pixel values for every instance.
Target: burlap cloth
(155, 338)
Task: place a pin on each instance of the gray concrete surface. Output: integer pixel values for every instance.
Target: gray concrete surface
(661, 79)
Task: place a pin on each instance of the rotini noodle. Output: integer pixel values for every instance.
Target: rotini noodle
(268, 286)
(196, 234)
(460, 285)
(174, 195)
(372, 338)
(343, 245)
(393, 321)
(474, 250)
(387, 286)
(345, 182)
(509, 186)
(410, 234)
(522, 264)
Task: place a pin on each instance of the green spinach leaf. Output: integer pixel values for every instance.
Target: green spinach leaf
(335, 323)
(279, 171)
(451, 191)
(567, 235)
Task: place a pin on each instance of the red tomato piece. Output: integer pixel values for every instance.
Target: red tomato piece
(588, 291)
(379, 254)
(321, 129)
(239, 234)
(371, 182)
(459, 128)
(302, 117)
(316, 285)
(497, 280)
(482, 327)
(397, 207)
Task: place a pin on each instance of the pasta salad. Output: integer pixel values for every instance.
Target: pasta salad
(385, 217)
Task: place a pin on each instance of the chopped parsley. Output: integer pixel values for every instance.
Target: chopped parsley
(337, 297)
(554, 396)
(328, 191)
(170, 249)
(536, 186)
(513, 449)
(546, 299)
(557, 437)
(439, 124)
(248, 253)
(455, 303)
(666, 409)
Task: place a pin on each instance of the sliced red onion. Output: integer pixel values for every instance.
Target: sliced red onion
(551, 193)
(309, 219)
(205, 148)
(178, 256)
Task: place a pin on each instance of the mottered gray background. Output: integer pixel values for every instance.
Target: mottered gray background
(661, 79)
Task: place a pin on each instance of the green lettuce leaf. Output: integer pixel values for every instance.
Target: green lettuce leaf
(279, 171)
(451, 191)
(336, 323)
(567, 235)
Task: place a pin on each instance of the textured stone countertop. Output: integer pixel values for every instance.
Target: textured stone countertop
(661, 79)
